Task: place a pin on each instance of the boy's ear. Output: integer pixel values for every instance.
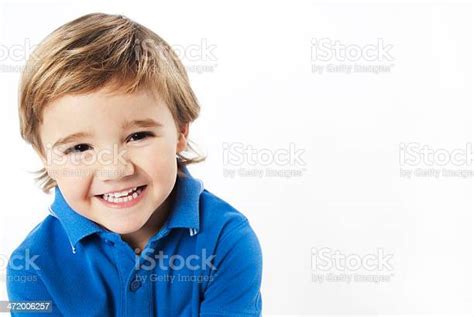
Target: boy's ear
(182, 138)
(43, 160)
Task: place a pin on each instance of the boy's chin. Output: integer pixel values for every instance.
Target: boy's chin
(124, 228)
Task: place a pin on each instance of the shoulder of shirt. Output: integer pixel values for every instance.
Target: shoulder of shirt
(218, 217)
(39, 241)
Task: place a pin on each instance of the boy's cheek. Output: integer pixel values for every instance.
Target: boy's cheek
(157, 157)
(161, 171)
(76, 195)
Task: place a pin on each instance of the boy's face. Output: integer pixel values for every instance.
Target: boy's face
(129, 141)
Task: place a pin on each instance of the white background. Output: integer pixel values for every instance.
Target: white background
(259, 90)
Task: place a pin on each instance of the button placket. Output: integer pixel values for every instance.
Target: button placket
(135, 285)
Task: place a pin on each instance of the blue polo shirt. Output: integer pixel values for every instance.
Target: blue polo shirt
(204, 261)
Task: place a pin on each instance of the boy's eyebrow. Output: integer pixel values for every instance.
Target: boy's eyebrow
(71, 138)
(144, 123)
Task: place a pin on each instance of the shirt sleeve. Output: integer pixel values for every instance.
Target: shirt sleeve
(24, 284)
(234, 285)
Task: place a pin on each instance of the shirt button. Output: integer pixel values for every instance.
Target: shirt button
(135, 285)
(107, 241)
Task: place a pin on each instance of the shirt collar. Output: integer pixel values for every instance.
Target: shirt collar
(184, 214)
(185, 210)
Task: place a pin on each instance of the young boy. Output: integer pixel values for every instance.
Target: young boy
(107, 105)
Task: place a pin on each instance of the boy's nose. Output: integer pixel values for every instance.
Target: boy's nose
(116, 170)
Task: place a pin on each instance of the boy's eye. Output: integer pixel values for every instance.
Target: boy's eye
(133, 137)
(77, 148)
(139, 135)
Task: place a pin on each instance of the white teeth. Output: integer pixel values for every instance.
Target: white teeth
(124, 196)
(121, 194)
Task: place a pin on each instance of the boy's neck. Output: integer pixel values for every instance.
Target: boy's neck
(138, 239)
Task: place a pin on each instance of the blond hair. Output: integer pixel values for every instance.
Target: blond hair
(95, 50)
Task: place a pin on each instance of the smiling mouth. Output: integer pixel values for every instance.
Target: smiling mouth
(123, 199)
